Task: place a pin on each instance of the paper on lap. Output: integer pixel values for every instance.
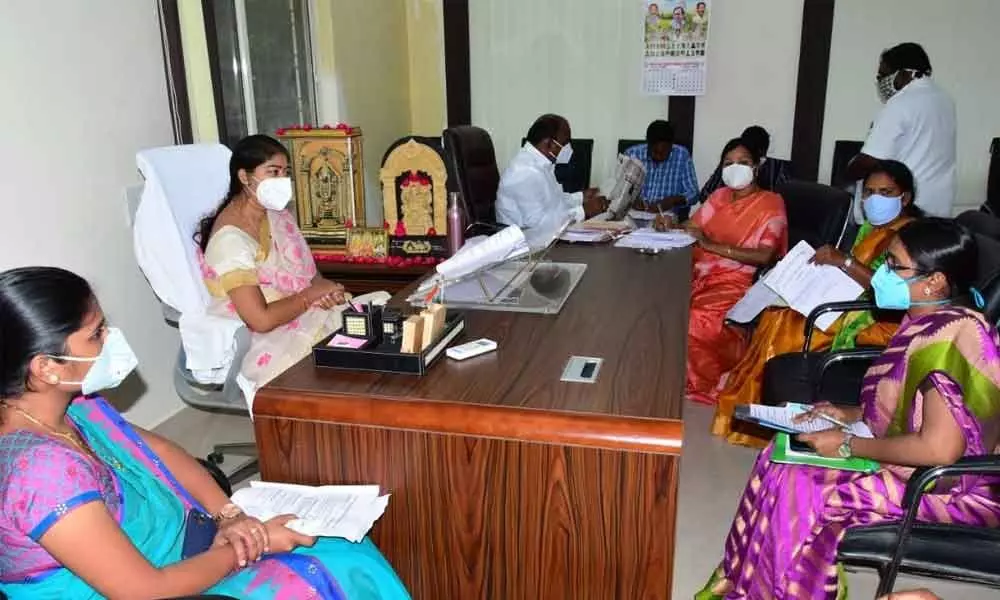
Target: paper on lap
(802, 285)
(782, 418)
(344, 511)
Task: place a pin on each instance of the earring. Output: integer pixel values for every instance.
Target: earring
(52, 379)
(927, 291)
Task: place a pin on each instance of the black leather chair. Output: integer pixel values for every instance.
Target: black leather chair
(472, 171)
(981, 222)
(835, 377)
(843, 152)
(939, 551)
(817, 213)
(992, 204)
(574, 176)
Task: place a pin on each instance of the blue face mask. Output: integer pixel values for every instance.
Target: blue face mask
(892, 292)
(880, 210)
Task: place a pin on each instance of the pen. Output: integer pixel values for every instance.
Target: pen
(830, 419)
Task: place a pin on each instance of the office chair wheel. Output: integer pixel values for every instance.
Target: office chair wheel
(216, 458)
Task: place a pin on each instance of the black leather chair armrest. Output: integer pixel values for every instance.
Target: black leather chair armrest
(830, 359)
(830, 307)
(918, 484)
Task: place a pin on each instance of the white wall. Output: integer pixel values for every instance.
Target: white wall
(753, 62)
(84, 89)
(366, 80)
(578, 58)
(581, 58)
(962, 42)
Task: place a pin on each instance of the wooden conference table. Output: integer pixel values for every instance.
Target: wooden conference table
(507, 483)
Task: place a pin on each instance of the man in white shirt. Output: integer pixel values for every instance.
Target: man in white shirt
(916, 127)
(529, 195)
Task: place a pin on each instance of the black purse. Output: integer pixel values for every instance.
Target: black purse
(199, 533)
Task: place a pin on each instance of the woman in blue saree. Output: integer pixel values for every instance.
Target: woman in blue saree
(93, 507)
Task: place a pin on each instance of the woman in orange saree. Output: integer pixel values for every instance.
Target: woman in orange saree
(888, 194)
(739, 228)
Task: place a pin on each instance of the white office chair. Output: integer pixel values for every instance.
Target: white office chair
(182, 185)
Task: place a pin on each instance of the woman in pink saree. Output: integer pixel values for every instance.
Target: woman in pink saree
(258, 267)
(739, 229)
(932, 398)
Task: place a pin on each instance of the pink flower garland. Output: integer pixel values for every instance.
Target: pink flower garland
(304, 127)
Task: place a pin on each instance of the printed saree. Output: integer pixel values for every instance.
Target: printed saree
(756, 221)
(779, 331)
(783, 541)
(282, 265)
(150, 505)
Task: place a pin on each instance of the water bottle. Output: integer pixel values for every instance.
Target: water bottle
(456, 224)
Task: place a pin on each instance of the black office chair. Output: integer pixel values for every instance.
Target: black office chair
(574, 176)
(981, 222)
(835, 377)
(817, 213)
(843, 152)
(938, 551)
(992, 204)
(472, 171)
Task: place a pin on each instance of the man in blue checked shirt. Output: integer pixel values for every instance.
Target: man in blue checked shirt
(670, 180)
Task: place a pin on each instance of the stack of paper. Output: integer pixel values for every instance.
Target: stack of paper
(344, 511)
(648, 237)
(641, 215)
(586, 235)
(801, 285)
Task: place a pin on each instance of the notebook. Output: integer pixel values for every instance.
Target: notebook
(783, 452)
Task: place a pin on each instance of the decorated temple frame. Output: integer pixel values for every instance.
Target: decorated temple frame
(414, 195)
(329, 182)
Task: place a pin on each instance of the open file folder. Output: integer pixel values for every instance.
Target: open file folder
(505, 271)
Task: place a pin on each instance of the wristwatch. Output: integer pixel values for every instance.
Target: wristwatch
(229, 511)
(845, 446)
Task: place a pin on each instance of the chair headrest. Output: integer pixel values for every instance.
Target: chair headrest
(192, 178)
(183, 184)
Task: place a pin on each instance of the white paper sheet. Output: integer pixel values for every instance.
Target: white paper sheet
(805, 285)
(641, 215)
(783, 417)
(757, 298)
(648, 237)
(507, 243)
(345, 511)
(586, 235)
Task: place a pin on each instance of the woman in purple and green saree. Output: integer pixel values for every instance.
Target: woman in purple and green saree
(92, 507)
(931, 398)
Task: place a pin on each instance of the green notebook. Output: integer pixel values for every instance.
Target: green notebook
(783, 453)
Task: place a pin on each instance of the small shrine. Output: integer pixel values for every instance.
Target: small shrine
(328, 172)
(415, 197)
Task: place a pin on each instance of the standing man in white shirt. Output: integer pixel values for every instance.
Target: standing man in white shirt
(529, 195)
(916, 127)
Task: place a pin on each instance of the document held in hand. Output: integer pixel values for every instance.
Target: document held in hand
(802, 285)
(782, 418)
(344, 511)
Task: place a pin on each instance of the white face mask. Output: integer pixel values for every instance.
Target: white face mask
(274, 193)
(737, 176)
(565, 154)
(886, 87)
(109, 368)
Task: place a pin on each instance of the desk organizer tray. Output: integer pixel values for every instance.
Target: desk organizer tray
(385, 357)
